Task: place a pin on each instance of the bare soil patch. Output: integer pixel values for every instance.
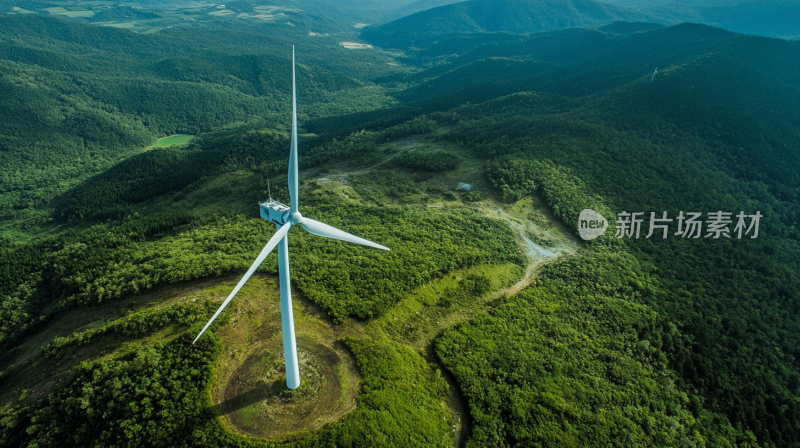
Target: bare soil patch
(250, 389)
(257, 401)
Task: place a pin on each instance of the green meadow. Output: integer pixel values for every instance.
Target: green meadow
(174, 140)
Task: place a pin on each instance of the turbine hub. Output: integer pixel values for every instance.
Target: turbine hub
(296, 218)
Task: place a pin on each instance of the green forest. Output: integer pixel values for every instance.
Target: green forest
(77, 100)
(490, 323)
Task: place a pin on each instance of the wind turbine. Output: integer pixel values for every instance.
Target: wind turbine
(284, 218)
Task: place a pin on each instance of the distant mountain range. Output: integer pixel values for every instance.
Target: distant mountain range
(513, 16)
(417, 6)
(771, 18)
(423, 21)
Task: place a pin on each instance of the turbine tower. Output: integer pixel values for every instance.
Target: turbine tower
(284, 218)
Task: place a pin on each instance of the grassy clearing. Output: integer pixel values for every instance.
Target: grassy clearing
(355, 45)
(174, 140)
(19, 10)
(123, 25)
(79, 13)
(422, 316)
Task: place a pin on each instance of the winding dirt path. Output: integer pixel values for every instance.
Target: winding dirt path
(402, 144)
(538, 257)
(560, 245)
(340, 176)
(316, 327)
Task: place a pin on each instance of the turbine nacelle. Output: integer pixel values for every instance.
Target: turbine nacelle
(279, 213)
(275, 212)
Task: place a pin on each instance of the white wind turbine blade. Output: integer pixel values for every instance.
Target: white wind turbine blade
(276, 238)
(294, 192)
(318, 228)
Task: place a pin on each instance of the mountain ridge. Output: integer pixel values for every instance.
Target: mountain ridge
(478, 16)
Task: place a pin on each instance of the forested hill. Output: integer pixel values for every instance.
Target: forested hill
(698, 69)
(513, 16)
(78, 97)
(716, 125)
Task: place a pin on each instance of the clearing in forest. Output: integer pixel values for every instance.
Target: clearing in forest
(173, 140)
(57, 10)
(355, 45)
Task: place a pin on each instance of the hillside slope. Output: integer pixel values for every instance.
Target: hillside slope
(80, 97)
(699, 66)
